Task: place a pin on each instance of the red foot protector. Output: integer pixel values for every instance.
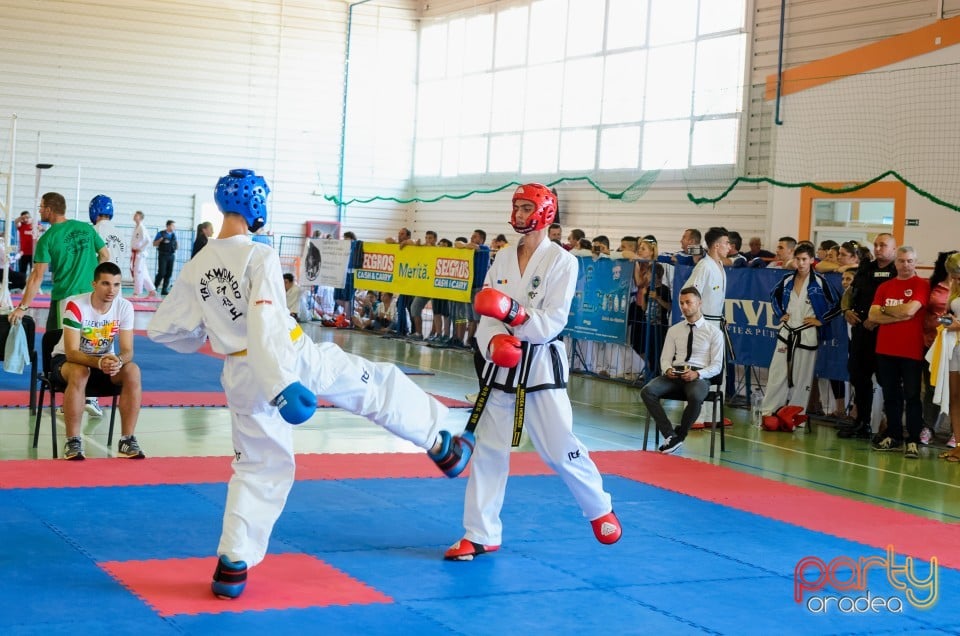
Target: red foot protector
(281, 581)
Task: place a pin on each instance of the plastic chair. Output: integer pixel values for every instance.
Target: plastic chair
(715, 397)
(49, 383)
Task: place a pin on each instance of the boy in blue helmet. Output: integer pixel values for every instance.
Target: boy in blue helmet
(101, 215)
(232, 293)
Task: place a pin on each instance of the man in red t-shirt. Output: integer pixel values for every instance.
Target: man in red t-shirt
(25, 234)
(896, 309)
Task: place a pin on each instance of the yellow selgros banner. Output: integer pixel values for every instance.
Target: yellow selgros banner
(431, 272)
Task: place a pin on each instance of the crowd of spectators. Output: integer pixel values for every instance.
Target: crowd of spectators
(861, 408)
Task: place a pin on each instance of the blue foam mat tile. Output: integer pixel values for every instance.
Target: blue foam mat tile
(540, 488)
(414, 492)
(766, 606)
(73, 585)
(417, 573)
(159, 521)
(172, 371)
(35, 542)
(651, 559)
(350, 494)
(13, 510)
(71, 624)
(408, 370)
(774, 555)
(379, 528)
(586, 611)
(368, 620)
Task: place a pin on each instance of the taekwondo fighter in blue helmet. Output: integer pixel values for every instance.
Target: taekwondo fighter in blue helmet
(101, 215)
(232, 293)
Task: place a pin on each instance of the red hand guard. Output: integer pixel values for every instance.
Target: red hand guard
(505, 350)
(496, 304)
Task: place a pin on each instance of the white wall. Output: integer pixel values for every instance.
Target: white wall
(151, 101)
(155, 99)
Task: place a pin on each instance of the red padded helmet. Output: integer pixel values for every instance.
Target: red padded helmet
(546, 207)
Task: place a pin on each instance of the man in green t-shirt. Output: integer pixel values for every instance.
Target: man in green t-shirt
(71, 249)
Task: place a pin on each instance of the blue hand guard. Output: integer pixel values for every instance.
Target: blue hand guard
(297, 403)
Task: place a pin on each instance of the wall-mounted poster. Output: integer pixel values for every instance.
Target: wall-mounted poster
(323, 229)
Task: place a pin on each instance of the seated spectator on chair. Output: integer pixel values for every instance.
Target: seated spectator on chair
(692, 355)
(385, 312)
(363, 317)
(804, 303)
(86, 356)
(293, 296)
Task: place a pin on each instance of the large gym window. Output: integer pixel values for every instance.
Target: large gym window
(551, 86)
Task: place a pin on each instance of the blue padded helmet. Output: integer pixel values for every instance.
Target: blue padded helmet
(100, 205)
(243, 192)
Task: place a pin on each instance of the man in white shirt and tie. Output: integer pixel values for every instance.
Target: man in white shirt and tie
(692, 354)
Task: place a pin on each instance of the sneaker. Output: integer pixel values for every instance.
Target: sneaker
(888, 444)
(92, 407)
(607, 529)
(952, 442)
(130, 448)
(73, 449)
(912, 452)
(454, 453)
(925, 436)
(670, 445)
(229, 578)
(465, 550)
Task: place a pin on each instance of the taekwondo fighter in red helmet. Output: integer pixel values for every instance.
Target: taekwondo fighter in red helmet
(524, 304)
(232, 293)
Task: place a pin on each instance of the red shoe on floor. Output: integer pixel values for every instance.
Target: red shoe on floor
(465, 550)
(697, 426)
(607, 528)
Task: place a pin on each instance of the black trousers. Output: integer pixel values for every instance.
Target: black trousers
(861, 365)
(164, 270)
(900, 380)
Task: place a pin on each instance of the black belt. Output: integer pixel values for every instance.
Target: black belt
(526, 360)
(793, 343)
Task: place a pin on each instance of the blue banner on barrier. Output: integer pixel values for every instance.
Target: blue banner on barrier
(750, 322)
(599, 308)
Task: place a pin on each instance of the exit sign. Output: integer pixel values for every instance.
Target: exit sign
(913, 222)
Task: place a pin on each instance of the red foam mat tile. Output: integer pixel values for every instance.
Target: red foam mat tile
(862, 522)
(15, 398)
(51, 473)
(184, 398)
(58, 473)
(281, 581)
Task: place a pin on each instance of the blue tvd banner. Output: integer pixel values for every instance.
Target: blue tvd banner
(750, 322)
(599, 308)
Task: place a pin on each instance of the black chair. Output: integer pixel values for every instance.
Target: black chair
(30, 328)
(715, 397)
(49, 383)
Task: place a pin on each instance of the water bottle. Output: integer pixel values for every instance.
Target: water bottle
(756, 403)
